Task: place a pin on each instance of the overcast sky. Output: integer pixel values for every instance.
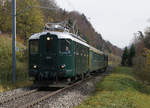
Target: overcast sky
(116, 20)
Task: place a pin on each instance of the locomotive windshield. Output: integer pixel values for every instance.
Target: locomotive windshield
(33, 46)
(65, 46)
(51, 45)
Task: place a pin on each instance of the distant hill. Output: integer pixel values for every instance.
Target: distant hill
(88, 33)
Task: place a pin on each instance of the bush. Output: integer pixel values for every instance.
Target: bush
(142, 66)
(6, 61)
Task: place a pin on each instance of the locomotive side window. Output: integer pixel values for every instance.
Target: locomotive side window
(65, 46)
(33, 46)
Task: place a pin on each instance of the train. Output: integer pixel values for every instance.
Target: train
(60, 57)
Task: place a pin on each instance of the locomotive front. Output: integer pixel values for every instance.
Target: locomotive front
(47, 57)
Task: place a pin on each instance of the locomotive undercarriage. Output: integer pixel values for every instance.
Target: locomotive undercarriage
(57, 80)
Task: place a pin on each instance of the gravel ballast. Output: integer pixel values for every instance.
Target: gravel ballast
(72, 97)
(7, 94)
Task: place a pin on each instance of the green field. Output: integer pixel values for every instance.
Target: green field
(119, 90)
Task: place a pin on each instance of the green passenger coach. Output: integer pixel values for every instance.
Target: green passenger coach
(62, 57)
(97, 60)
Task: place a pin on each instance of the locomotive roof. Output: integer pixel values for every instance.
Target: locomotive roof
(61, 35)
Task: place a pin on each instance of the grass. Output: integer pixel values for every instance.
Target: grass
(119, 90)
(19, 84)
(6, 64)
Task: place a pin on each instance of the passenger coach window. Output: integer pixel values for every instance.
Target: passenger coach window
(65, 46)
(33, 46)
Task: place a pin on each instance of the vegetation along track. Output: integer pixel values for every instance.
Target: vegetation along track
(34, 97)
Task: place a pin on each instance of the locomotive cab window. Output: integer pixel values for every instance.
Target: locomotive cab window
(33, 46)
(65, 46)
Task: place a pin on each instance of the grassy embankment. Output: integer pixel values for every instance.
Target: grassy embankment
(119, 90)
(6, 65)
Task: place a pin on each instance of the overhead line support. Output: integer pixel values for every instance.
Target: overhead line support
(13, 41)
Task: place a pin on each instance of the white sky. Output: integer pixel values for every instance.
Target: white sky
(116, 20)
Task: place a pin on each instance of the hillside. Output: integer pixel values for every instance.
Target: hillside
(31, 20)
(6, 63)
(88, 32)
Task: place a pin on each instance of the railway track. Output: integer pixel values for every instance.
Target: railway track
(21, 99)
(16, 96)
(32, 98)
(36, 102)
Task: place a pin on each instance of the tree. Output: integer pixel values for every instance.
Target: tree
(140, 35)
(131, 55)
(5, 16)
(29, 20)
(147, 38)
(125, 57)
(49, 15)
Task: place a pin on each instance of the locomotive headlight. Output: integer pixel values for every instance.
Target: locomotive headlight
(35, 66)
(63, 66)
(48, 38)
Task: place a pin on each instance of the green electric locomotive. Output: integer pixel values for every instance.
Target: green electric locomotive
(56, 56)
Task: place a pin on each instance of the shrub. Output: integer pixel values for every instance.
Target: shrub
(142, 66)
(6, 61)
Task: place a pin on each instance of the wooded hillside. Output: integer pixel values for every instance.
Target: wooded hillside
(31, 17)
